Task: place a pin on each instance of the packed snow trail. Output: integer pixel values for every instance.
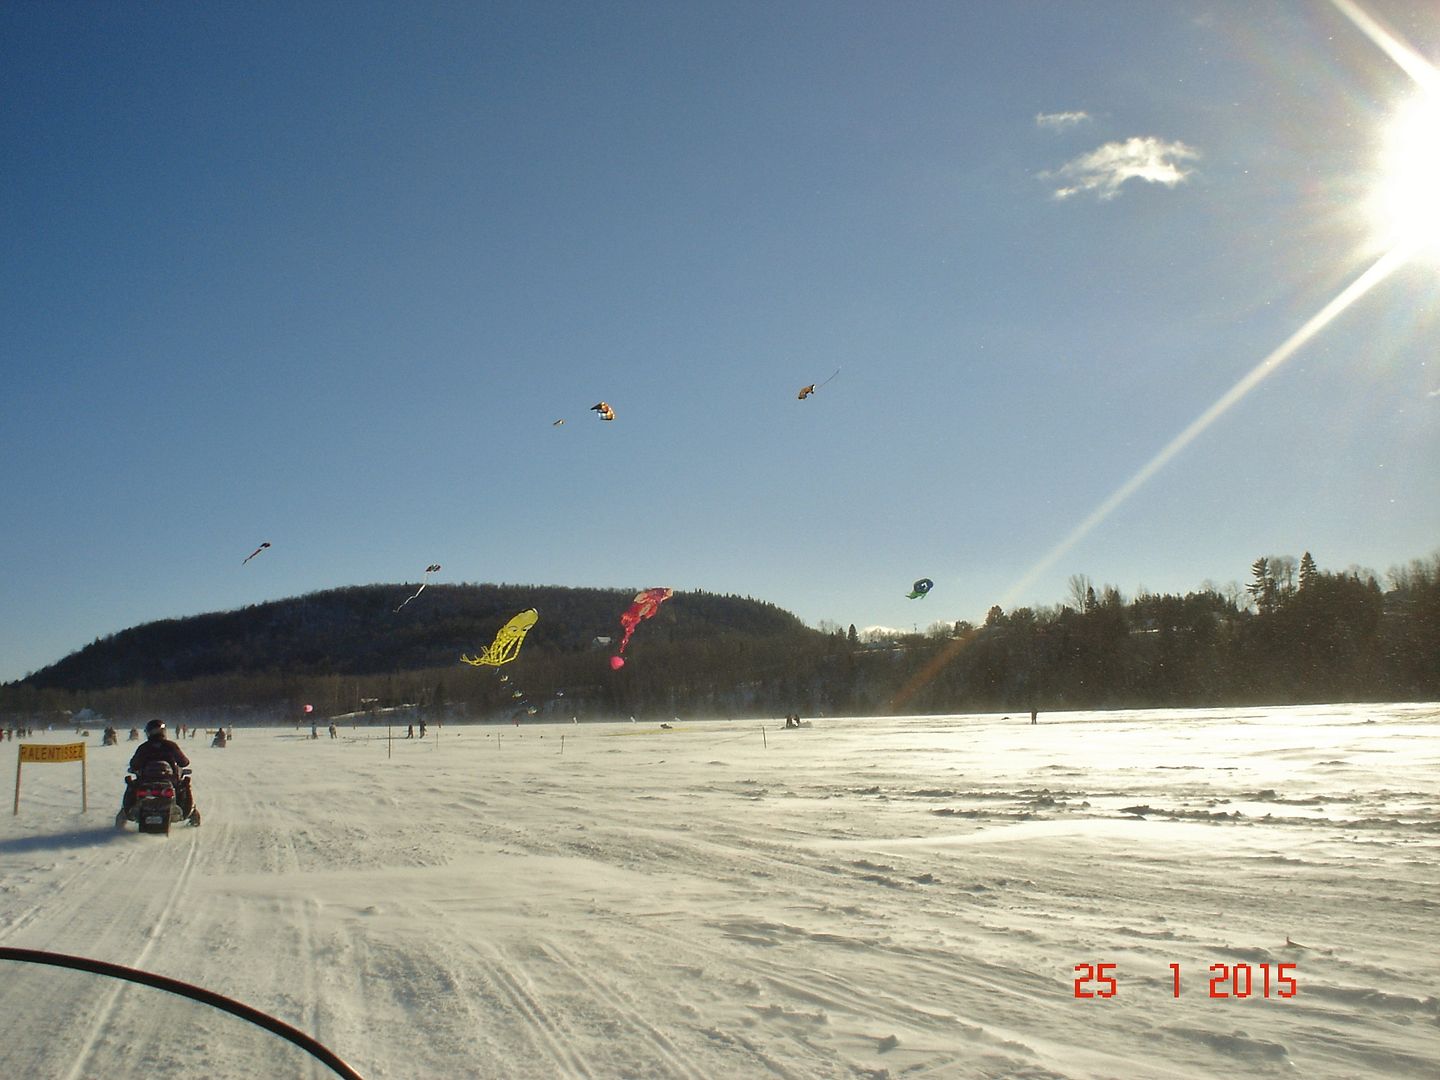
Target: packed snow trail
(871, 897)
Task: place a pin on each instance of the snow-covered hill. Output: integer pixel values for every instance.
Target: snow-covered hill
(900, 896)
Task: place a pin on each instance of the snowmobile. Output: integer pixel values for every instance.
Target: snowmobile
(156, 807)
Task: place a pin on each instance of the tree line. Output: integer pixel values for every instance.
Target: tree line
(1294, 633)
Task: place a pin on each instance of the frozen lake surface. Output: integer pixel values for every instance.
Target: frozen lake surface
(868, 897)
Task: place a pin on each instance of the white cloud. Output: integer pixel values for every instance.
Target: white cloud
(1105, 169)
(1059, 121)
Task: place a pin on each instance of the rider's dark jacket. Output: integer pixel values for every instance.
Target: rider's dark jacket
(158, 750)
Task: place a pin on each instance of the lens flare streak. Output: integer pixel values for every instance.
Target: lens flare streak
(1381, 269)
(1411, 62)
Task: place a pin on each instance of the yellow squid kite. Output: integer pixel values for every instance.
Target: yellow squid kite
(506, 645)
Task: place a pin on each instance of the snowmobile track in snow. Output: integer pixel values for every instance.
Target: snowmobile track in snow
(177, 890)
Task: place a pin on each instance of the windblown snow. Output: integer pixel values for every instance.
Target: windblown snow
(867, 897)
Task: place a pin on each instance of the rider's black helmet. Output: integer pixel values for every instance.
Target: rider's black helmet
(155, 729)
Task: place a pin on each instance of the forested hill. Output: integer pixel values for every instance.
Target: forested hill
(1294, 634)
(357, 631)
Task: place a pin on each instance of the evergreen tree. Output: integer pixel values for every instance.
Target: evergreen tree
(1262, 587)
(1308, 571)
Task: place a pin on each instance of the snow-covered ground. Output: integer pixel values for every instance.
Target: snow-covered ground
(897, 896)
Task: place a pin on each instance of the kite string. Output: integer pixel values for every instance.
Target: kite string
(409, 598)
(432, 568)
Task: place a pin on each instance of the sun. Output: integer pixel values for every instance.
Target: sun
(1405, 205)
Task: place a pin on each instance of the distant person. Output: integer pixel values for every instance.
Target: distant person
(134, 734)
(220, 740)
(410, 732)
(332, 729)
(422, 729)
(1033, 715)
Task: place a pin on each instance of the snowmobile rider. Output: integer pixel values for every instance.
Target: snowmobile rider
(157, 747)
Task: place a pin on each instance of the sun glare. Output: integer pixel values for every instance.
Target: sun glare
(1406, 204)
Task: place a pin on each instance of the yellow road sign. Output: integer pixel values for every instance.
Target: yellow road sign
(64, 752)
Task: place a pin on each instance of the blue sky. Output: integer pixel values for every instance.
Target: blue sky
(325, 275)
